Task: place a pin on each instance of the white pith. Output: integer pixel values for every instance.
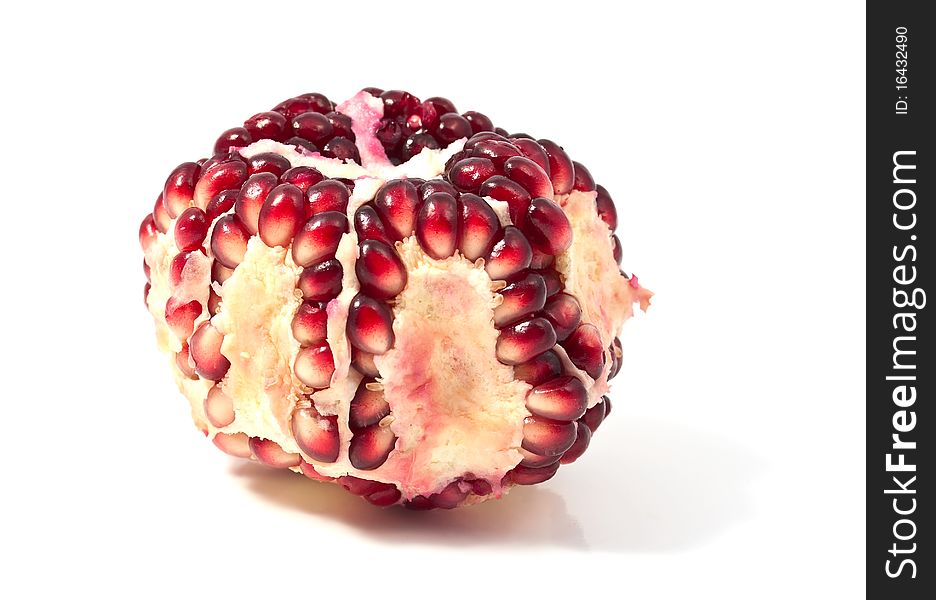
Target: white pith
(442, 365)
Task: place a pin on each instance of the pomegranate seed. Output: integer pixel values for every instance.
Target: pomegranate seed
(496, 151)
(180, 188)
(251, 198)
(384, 497)
(282, 215)
(469, 173)
(219, 159)
(379, 270)
(530, 175)
(389, 133)
(146, 270)
(222, 176)
(319, 237)
(364, 362)
(585, 350)
(319, 102)
(553, 282)
(478, 226)
(222, 203)
(310, 472)
(370, 325)
(534, 152)
(520, 299)
(272, 454)
(437, 225)
(594, 416)
(522, 475)
(341, 124)
(220, 273)
(235, 444)
(480, 487)
(563, 399)
(314, 366)
(539, 370)
(452, 126)
(583, 182)
(303, 146)
(307, 102)
(607, 403)
(501, 131)
(309, 323)
(565, 313)
(341, 148)
(180, 316)
(485, 135)
(617, 354)
(321, 281)
(398, 103)
(547, 227)
(229, 241)
(148, 232)
(214, 302)
(450, 496)
(561, 172)
(517, 136)
(521, 342)
(511, 192)
(190, 229)
(176, 267)
(325, 196)
(219, 408)
(184, 362)
(367, 408)
(267, 125)
(362, 487)
(415, 143)
(368, 225)
(370, 447)
(442, 105)
(541, 260)
(161, 215)
(302, 177)
(235, 137)
(547, 437)
(267, 162)
(436, 185)
(616, 251)
(312, 126)
(479, 122)
(418, 503)
(606, 209)
(536, 461)
(425, 116)
(582, 437)
(316, 435)
(396, 203)
(510, 255)
(373, 91)
(205, 348)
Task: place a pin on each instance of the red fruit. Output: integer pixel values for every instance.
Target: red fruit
(235, 137)
(272, 454)
(368, 226)
(510, 255)
(302, 177)
(267, 162)
(540, 369)
(451, 127)
(321, 281)
(522, 475)
(318, 239)
(184, 362)
(547, 437)
(282, 215)
(219, 408)
(309, 323)
(520, 299)
(547, 227)
(565, 313)
(235, 444)
(190, 229)
(379, 270)
(605, 207)
(437, 225)
(316, 435)
(161, 216)
(595, 415)
(370, 447)
(478, 121)
(523, 341)
(222, 203)
(148, 232)
(582, 437)
(229, 241)
(179, 191)
(583, 182)
(616, 251)
(205, 348)
(368, 407)
(534, 152)
(561, 171)
(585, 349)
(529, 175)
(562, 399)
(511, 192)
(314, 366)
(325, 196)
(469, 173)
(267, 125)
(477, 226)
(221, 176)
(396, 203)
(312, 126)
(364, 362)
(251, 198)
(370, 325)
(180, 317)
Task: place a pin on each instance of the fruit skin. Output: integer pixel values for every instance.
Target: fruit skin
(388, 248)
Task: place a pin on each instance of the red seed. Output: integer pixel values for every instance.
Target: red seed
(180, 316)
(217, 159)
(272, 454)
(316, 435)
(214, 302)
(478, 226)
(536, 461)
(161, 215)
(312, 126)
(364, 362)
(176, 267)
(368, 226)
(452, 126)
(319, 237)
(367, 407)
(415, 143)
(341, 124)
(583, 182)
(511, 192)
(595, 415)
(425, 117)
(469, 173)
(251, 198)
(222, 203)
(541, 260)
(605, 207)
(184, 362)
(529, 175)
(310, 472)
(370, 447)
(496, 151)
(148, 232)
(437, 225)
(563, 399)
(222, 176)
(205, 348)
(565, 313)
(267, 162)
(553, 282)
(302, 177)
(341, 148)
(384, 497)
(436, 185)
(616, 251)
(561, 171)
(220, 273)
(190, 229)
(534, 152)
(361, 487)
(267, 125)
(585, 349)
(607, 403)
(547, 227)
(510, 255)
(485, 135)
(179, 191)
(314, 366)
(235, 137)
(442, 105)
(547, 437)
(370, 325)
(398, 103)
(520, 299)
(539, 369)
(282, 215)
(235, 444)
(450, 497)
(325, 196)
(397, 202)
(617, 355)
(522, 475)
(229, 241)
(321, 281)
(379, 270)
(582, 437)
(521, 342)
(389, 133)
(309, 323)
(146, 270)
(478, 121)
(219, 408)
(307, 102)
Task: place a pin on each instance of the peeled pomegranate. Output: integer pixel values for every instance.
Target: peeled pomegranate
(390, 295)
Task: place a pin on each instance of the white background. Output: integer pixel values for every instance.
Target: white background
(731, 135)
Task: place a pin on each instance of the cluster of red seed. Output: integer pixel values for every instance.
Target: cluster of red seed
(298, 207)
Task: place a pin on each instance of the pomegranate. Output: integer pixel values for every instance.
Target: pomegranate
(391, 296)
